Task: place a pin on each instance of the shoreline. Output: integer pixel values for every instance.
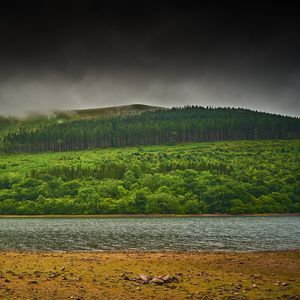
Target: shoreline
(153, 215)
(147, 252)
(205, 275)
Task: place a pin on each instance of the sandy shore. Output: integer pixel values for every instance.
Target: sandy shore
(259, 275)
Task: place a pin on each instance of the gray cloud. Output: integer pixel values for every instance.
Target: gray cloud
(92, 57)
(93, 89)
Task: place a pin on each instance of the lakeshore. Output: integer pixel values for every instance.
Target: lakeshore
(199, 275)
(152, 215)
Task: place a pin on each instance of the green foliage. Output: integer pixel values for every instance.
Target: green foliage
(225, 177)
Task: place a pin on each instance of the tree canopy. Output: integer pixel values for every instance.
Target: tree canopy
(224, 177)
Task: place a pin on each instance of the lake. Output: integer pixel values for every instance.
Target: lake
(150, 234)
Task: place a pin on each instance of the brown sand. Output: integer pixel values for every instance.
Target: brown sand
(260, 275)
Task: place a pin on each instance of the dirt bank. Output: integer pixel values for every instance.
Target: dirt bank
(260, 275)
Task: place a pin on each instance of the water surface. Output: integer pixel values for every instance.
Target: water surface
(150, 234)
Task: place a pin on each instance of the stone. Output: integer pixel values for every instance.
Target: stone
(167, 278)
(32, 282)
(144, 278)
(157, 280)
(125, 277)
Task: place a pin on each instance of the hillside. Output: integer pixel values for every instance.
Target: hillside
(141, 125)
(35, 119)
(225, 177)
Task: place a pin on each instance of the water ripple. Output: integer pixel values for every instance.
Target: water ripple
(150, 234)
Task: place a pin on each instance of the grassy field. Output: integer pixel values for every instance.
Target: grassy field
(261, 275)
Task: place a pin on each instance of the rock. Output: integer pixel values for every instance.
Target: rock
(37, 273)
(6, 280)
(53, 275)
(145, 278)
(167, 278)
(256, 276)
(284, 284)
(32, 282)
(157, 280)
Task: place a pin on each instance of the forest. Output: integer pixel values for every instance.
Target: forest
(164, 126)
(235, 177)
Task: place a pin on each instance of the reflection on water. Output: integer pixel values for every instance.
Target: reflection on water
(151, 234)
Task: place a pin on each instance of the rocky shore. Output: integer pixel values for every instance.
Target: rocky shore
(259, 275)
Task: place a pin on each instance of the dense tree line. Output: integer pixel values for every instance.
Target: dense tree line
(177, 125)
(223, 177)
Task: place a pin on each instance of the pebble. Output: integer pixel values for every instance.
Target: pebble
(32, 282)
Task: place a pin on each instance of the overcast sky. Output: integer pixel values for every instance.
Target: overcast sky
(80, 54)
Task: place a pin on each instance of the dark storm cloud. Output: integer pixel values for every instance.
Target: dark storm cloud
(80, 54)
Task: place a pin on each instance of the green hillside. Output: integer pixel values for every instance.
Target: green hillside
(225, 177)
(163, 126)
(154, 162)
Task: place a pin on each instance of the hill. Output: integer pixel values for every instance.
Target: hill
(142, 125)
(35, 119)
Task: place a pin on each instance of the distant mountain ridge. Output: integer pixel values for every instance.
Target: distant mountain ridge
(34, 119)
(104, 112)
(142, 125)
